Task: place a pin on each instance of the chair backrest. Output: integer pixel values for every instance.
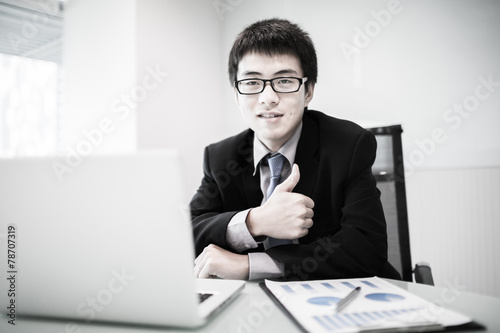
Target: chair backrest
(388, 170)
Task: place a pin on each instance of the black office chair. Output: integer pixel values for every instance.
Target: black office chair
(388, 170)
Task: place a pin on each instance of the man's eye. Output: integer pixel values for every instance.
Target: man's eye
(252, 83)
(284, 81)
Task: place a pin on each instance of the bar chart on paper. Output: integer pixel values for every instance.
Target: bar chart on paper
(379, 305)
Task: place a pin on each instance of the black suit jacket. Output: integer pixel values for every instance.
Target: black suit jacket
(348, 238)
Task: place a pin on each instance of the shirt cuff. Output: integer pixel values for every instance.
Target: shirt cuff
(262, 266)
(237, 234)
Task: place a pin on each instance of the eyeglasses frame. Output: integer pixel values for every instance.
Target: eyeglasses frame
(301, 82)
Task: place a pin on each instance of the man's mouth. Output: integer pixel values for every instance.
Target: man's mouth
(269, 115)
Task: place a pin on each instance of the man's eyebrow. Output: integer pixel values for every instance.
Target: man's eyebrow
(286, 71)
(281, 72)
(251, 73)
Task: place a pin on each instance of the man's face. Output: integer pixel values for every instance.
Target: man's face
(273, 117)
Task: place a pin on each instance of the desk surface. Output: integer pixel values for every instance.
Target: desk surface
(253, 311)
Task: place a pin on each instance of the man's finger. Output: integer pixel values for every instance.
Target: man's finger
(289, 184)
(204, 273)
(196, 271)
(308, 202)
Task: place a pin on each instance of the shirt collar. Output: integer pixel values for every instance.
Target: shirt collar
(288, 149)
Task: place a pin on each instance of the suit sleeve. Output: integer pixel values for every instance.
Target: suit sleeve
(359, 247)
(207, 211)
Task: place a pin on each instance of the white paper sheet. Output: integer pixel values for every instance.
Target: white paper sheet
(379, 306)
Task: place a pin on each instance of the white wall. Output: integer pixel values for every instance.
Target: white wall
(150, 70)
(183, 38)
(454, 215)
(99, 64)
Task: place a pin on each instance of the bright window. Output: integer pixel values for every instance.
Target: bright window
(29, 104)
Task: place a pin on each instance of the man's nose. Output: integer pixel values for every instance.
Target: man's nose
(268, 96)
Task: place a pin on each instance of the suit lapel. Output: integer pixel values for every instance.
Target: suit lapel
(307, 156)
(251, 183)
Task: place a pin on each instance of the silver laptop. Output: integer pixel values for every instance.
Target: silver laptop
(106, 239)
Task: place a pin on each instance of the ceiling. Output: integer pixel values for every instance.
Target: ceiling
(32, 28)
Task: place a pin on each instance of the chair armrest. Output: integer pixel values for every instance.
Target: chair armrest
(423, 274)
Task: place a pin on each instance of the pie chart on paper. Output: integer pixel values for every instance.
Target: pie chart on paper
(324, 301)
(385, 297)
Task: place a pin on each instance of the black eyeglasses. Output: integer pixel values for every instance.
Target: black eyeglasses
(280, 85)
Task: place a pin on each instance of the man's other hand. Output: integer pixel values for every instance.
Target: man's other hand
(216, 262)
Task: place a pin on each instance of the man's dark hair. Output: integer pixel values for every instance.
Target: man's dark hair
(275, 37)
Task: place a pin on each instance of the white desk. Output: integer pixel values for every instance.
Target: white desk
(253, 311)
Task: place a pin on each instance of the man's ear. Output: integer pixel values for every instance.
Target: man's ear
(309, 95)
(236, 96)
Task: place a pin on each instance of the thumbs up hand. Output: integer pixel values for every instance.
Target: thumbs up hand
(289, 184)
(285, 215)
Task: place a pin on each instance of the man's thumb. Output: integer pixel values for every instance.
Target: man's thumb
(289, 184)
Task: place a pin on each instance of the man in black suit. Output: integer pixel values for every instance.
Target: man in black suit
(324, 220)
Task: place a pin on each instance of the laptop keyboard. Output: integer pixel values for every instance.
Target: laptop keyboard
(203, 297)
